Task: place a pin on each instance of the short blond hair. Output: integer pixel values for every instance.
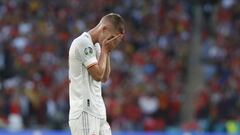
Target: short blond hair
(116, 20)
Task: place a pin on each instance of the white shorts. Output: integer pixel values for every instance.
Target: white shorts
(87, 124)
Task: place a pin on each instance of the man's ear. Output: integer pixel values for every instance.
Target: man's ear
(104, 28)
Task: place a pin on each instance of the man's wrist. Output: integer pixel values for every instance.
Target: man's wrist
(105, 51)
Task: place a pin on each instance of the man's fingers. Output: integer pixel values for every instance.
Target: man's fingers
(120, 38)
(107, 38)
(114, 38)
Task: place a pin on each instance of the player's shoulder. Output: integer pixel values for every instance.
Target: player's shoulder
(84, 39)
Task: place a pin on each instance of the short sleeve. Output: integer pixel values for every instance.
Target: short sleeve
(87, 53)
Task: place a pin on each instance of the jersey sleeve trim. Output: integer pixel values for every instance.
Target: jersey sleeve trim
(91, 65)
(90, 61)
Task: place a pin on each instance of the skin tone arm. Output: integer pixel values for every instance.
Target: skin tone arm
(108, 68)
(107, 71)
(97, 70)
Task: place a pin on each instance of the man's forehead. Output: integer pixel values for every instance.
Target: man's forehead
(115, 32)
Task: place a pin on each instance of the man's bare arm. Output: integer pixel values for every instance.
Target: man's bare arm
(107, 71)
(97, 70)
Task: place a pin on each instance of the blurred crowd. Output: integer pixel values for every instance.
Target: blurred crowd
(148, 69)
(144, 91)
(218, 106)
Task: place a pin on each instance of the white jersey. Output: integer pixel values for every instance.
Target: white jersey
(84, 92)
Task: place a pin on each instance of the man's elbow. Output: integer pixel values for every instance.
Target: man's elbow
(97, 74)
(104, 79)
(98, 78)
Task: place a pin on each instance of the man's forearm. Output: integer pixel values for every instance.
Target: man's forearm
(107, 70)
(97, 71)
(103, 60)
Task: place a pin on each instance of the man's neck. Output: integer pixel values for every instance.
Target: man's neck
(93, 33)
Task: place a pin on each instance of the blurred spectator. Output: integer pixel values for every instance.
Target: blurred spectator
(219, 103)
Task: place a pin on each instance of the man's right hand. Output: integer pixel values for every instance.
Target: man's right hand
(111, 42)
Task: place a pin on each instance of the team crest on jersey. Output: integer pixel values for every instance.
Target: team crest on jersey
(88, 51)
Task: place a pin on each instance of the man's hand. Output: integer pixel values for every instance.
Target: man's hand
(98, 70)
(101, 70)
(111, 42)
